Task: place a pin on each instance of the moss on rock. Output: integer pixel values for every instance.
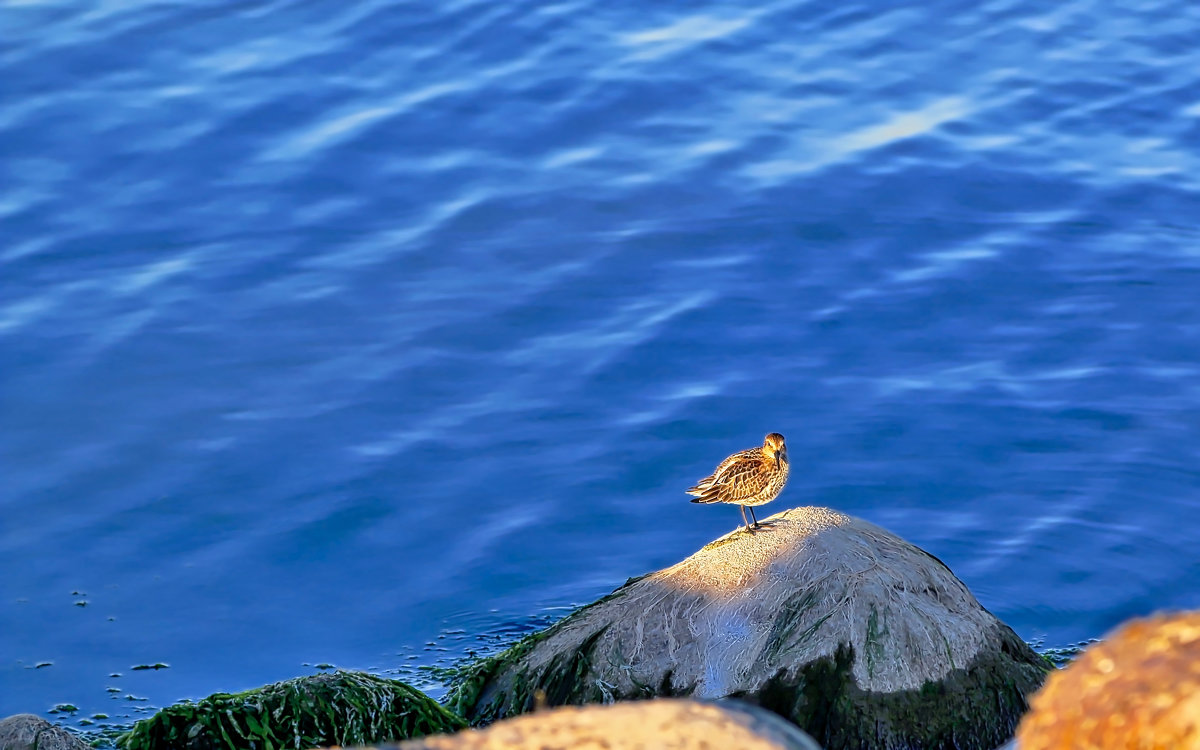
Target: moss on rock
(976, 706)
(473, 677)
(341, 708)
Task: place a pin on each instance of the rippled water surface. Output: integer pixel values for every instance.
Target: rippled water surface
(374, 333)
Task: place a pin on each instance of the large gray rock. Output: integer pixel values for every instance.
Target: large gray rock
(677, 724)
(857, 636)
(29, 732)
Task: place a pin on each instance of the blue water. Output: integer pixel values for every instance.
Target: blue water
(373, 334)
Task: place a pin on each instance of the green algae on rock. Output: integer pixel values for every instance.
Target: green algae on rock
(342, 708)
(857, 636)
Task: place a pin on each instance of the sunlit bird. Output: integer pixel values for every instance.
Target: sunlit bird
(747, 478)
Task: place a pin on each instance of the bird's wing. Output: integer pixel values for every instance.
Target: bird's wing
(732, 464)
(739, 477)
(715, 478)
(742, 481)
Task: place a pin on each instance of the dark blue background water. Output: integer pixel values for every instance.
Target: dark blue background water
(332, 330)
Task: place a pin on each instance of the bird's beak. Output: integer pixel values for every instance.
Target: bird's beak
(777, 460)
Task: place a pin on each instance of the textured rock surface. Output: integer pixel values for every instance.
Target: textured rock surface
(676, 724)
(857, 636)
(29, 732)
(1138, 688)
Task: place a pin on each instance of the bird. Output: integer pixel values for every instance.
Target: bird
(747, 478)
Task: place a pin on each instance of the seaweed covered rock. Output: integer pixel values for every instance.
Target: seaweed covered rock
(1138, 688)
(29, 732)
(678, 724)
(858, 637)
(341, 708)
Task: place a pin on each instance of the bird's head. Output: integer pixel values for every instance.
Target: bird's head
(774, 447)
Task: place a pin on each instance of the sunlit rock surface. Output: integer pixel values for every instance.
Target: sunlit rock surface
(1138, 688)
(857, 636)
(29, 732)
(675, 724)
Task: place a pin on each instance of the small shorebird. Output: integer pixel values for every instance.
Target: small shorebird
(747, 478)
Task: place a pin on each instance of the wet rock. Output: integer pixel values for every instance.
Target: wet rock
(342, 708)
(1138, 688)
(677, 724)
(29, 732)
(855, 635)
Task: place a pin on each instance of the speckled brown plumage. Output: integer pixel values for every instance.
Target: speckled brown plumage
(747, 478)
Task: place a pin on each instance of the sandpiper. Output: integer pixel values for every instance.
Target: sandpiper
(747, 478)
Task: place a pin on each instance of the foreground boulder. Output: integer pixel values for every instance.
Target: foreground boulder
(29, 732)
(678, 724)
(855, 635)
(1138, 688)
(342, 708)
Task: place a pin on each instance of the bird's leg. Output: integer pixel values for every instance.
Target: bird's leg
(743, 507)
(756, 524)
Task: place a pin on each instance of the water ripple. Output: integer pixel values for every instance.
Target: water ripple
(475, 289)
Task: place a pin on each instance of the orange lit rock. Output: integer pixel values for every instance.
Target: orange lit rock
(640, 725)
(1139, 689)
